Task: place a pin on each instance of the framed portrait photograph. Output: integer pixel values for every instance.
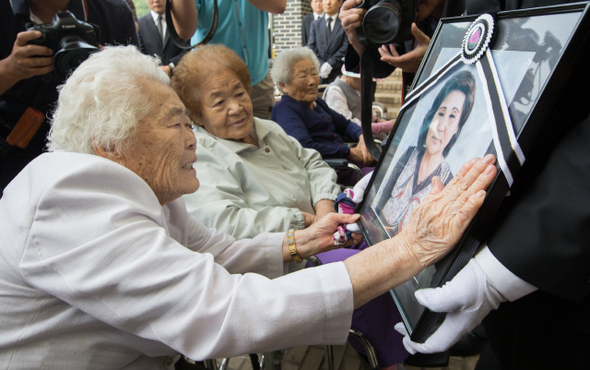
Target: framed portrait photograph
(485, 86)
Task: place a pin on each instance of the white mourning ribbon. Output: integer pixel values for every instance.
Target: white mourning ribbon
(509, 153)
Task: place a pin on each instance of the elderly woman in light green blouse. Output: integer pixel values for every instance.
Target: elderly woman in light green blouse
(259, 178)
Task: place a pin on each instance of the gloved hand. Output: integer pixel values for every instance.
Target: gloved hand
(325, 70)
(467, 298)
(346, 202)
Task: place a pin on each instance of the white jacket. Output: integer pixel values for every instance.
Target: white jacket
(94, 273)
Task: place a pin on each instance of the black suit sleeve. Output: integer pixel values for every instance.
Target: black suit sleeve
(335, 59)
(179, 56)
(312, 42)
(140, 39)
(542, 231)
(147, 36)
(305, 26)
(545, 238)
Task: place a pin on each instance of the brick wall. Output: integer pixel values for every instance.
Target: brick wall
(287, 26)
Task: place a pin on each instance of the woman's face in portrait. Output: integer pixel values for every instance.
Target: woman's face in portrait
(162, 150)
(304, 82)
(445, 122)
(226, 108)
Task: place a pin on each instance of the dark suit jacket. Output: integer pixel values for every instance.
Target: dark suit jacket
(306, 28)
(545, 240)
(150, 42)
(542, 233)
(331, 51)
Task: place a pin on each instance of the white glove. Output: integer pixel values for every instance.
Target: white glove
(467, 298)
(358, 193)
(325, 70)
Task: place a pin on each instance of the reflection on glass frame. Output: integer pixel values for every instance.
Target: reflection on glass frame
(452, 122)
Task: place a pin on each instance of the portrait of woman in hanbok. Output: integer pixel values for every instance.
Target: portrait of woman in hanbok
(411, 178)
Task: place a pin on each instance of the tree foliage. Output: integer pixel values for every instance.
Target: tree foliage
(141, 8)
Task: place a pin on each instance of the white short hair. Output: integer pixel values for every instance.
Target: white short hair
(283, 64)
(102, 101)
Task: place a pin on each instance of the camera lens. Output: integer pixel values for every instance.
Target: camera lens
(382, 23)
(73, 52)
(70, 60)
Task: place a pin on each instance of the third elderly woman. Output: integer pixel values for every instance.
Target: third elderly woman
(265, 181)
(306, 116)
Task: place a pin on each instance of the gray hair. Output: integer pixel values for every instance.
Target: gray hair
(283, 64)
(102, 101)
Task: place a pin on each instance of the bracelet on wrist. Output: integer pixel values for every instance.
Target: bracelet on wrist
(292, 246)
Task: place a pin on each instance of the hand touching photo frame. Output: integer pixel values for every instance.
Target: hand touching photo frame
(485, 85)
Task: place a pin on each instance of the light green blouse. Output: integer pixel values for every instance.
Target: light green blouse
(245, 190)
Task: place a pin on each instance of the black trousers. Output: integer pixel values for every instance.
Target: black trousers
(539, 331)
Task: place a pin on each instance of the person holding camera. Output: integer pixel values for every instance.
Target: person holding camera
(31, 37)
(406, 55)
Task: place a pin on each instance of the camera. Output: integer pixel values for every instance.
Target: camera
(387, 21)
(71, 40)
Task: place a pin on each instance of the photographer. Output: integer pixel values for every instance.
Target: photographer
(407, 55)
(27, 80)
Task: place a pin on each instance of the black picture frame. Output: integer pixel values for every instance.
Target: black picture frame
(532, 54)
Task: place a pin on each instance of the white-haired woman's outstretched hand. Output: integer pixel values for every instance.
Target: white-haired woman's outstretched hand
(319, 237)
(435, 227)
(438, 223)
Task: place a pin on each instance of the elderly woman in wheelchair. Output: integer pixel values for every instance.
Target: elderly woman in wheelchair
(306, 116)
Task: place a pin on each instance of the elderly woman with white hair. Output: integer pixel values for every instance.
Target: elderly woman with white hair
(306, 116)
(101, 266)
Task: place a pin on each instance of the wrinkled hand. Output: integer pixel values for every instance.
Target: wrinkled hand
(467, 298)
(308, 218)
(325, 70)
(438, 223)
(351, 18)
(166, 69)
(319, 237)
(323, 207)
(26, 60)
(410, 61)
(360, 153)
